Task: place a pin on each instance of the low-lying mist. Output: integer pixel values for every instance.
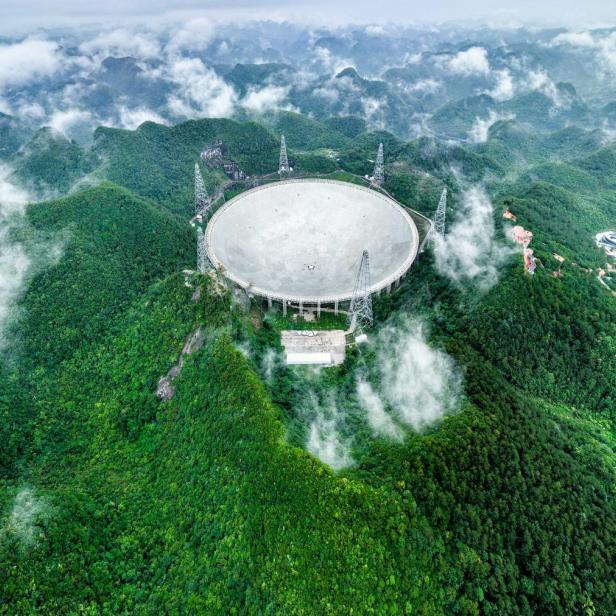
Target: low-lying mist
(19, 259)
(27, 510)
(325, 435)
(15, 262)
(470, 254)
(419, 384)
(409, 386)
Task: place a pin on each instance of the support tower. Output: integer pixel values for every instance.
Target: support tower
(378, 176)
(203, 262)
(360, 310)
(439, 216)
(283, 165)
(202, 201)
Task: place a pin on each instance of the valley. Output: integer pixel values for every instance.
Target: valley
(159, 453)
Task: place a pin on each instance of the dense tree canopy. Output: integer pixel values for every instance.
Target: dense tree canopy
(115, 502)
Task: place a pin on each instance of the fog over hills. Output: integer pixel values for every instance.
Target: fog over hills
(410, 81)
(451, 447)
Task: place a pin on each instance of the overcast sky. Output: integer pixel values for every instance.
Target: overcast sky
(22, 15)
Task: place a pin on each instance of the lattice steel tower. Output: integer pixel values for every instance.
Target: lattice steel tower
(202, 201)
(360, 311)
(283, 165)
(439, 216)
(203, 261)
(378, 176)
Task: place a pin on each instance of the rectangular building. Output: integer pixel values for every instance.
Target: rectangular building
(314, 347)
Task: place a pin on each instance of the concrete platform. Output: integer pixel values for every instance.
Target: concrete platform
(314, 347)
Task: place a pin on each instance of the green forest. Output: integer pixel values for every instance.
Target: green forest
(114, 502)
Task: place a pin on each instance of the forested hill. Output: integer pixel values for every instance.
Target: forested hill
(111, 246)
(115, 502)
(199, 504)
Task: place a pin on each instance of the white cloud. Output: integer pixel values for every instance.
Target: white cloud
(70, 120)
(504, 89)
(271, 360)
(301, 79)
(31, 111)
(269, 97)
(15, 263)
(375, 30)
(200, 91)
(345, 84)
(223, 49)
(470, 252)
(576, 39)
(28, 60)
(539, 80)
(329, 62)
(122, 42)
(373, 111)
(378, 419)
(421, 384)
(605, 46)
(330, 94)
(324, 442)
(244, 349)
(135, 117)
(473, 61)
(607, 52)
(18, 260)
(480, 130)
(193, 35)
(27, 510)
(419, 126)
(428, 86)
(12, 197)
(324, 439)
(412, 58)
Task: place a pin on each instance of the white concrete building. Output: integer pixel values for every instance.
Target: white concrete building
(314, 347)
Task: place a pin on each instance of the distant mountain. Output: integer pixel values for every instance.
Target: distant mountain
(50, 162)
(245, 76)
(303, 133)
(13, 134)
(120, 72)
(518, 145)
(553, 109)
(348, 93)
(124, 79)
(456, 119)
(608, 114)
(550, 112)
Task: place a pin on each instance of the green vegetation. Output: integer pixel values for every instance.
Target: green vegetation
(350, 126)
(328, 320)
(314, 163)
(302, 133)
(358, 156)
(12, 135)
(112, 246)
(454, 119)
(209, 503)
(50, 162)
(204, 507)
(158, 162)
